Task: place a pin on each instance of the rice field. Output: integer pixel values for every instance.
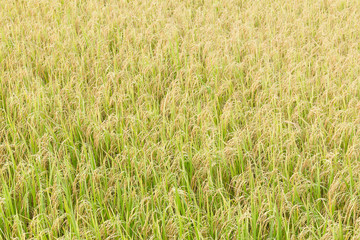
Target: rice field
(181, 119)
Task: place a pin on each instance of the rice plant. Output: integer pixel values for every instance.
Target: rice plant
(182, 119)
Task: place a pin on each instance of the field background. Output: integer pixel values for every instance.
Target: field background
(182, 119)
